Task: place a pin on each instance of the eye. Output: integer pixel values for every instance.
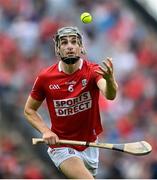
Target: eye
(63, 42)
(74, 41)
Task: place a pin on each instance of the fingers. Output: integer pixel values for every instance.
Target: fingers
(99, 72)
(109, 60)
(107, 69)
(52, 141)
(102, 70)
(50, 138)
(108, 64)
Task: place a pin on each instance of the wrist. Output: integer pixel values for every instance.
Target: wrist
(110, 80)
(46, 130)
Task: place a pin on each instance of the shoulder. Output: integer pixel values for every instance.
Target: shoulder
(48, 71)
(91, 65)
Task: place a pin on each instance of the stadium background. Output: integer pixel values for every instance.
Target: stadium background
(120, 29)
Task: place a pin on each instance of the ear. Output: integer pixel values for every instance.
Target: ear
(57, 51)
(83, 51)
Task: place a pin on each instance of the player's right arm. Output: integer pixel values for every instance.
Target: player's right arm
(34, 118)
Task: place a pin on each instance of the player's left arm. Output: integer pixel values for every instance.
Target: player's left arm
(107, 85)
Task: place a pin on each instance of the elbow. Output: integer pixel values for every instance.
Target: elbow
(111, 97)
(27, 112)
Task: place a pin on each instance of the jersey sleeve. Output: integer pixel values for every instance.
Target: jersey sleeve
(37, 91)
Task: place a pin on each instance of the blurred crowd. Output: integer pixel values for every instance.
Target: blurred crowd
(26, 46)
(17, 161)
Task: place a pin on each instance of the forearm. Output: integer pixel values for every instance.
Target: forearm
(36, 120)
(111, 89)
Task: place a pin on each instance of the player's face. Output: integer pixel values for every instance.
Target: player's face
(70, 46)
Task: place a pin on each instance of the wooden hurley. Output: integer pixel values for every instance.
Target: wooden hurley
(135, 148)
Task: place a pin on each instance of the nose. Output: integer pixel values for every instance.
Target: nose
(70, 46)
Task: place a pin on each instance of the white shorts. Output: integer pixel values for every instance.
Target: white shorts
(90, 157)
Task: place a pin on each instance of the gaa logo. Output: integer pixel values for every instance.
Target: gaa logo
(54, 86)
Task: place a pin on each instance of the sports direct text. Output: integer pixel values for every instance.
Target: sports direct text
(71, 106)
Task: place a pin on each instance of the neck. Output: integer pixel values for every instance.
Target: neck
(70, 68)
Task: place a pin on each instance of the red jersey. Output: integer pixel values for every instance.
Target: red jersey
(72, 101)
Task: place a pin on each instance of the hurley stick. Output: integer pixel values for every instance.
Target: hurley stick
(134, 148)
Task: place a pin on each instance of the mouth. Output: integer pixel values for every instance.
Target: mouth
(70, 54)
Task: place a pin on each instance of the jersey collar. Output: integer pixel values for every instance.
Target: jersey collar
(80, 67)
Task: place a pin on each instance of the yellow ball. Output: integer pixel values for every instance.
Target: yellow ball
(86, 17)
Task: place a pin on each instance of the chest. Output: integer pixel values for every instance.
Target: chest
(61, 87)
